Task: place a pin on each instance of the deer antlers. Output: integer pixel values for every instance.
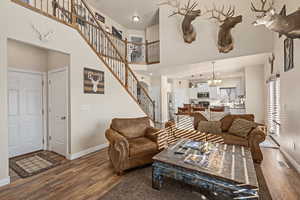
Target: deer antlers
(221, 13)
(188, 9)
(262, 9)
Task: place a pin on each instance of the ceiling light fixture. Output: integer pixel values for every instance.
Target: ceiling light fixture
(136, 19)
(214, 82)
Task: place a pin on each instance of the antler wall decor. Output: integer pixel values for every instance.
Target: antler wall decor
(228, 20)
(288, 25)
(190, 13)
(42, 37)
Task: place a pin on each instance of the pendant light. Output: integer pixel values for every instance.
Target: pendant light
(214, 82)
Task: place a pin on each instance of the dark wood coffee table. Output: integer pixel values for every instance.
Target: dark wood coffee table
(229, 174)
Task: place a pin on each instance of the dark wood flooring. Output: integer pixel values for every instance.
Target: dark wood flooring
(90, 177)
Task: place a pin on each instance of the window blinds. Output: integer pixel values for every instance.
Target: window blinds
(274, 105)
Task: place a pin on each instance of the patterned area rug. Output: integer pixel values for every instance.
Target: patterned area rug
(137, 185)
(32, 164)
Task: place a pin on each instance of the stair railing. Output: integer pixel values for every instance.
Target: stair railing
(77, 14)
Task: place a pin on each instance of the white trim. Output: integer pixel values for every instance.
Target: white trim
(45, 113)
(4, 181)
(67, 142)
(12, 69)
(58, 70)
(291, 160)
(87, 151)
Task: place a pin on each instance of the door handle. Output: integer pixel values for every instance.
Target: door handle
(63, 118)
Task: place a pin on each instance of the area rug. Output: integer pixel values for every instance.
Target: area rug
(137, 185)
(32, 164)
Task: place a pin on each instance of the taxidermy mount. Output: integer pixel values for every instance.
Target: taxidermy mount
(190, 13)
(228, 21)
(288, 25)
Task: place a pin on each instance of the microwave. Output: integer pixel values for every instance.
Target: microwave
(201, 95)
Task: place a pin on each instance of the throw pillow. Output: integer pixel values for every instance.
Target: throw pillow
(213, 127)
(241, 127)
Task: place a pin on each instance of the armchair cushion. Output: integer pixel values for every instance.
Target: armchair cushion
(131, 127)
(141, 146)
(228, 120)
(152, 133)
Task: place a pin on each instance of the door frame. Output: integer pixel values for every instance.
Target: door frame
(67, 142)
(44, 99)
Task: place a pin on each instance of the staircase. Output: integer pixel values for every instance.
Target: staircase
(78, 15)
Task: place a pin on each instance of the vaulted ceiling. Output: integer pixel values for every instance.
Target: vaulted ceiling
(122, 11)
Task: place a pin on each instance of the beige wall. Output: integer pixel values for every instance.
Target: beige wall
(289, 91)
(57, 60)
(90, 114)
(248, 40)
(152, 33)
(24, 56)
(28, 57)
(3, 108)
(255, 92)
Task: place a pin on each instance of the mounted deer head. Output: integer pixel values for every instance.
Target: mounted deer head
(288, 25)
(190, 13)
(228, 20)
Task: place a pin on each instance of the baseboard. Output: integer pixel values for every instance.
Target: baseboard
(4, 181)
(87, 151)
(291, 160)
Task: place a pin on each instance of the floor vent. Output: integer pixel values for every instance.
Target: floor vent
(283, 164)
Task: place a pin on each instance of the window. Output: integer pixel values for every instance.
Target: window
(274, 105)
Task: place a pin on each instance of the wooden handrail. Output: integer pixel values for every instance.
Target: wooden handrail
(126, 64)
(100, 28)
(71, 18)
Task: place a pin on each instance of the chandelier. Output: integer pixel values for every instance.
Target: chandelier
(214, 82)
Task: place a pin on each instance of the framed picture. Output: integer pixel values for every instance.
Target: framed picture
(288, 54)
(117, 33)
(136, 52)
(100, 18)
(93, 81)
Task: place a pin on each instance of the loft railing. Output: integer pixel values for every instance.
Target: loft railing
(138, 53)
(77, 14)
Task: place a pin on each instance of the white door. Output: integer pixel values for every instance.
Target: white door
(58, 111)
(25, 118)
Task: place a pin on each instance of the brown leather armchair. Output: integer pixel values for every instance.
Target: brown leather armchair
(132, 143)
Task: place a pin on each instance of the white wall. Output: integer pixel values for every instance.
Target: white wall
(255, 92)
(90, 114)
(152, 33)
(289, 89)
(248, 39)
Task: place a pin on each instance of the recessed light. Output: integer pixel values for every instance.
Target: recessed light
(136, 19)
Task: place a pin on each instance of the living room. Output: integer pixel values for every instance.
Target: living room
(126, 59)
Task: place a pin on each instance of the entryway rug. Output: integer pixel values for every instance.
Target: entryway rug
(137, 185)
(32, 164)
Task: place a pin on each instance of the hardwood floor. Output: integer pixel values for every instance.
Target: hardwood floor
(90, 177)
